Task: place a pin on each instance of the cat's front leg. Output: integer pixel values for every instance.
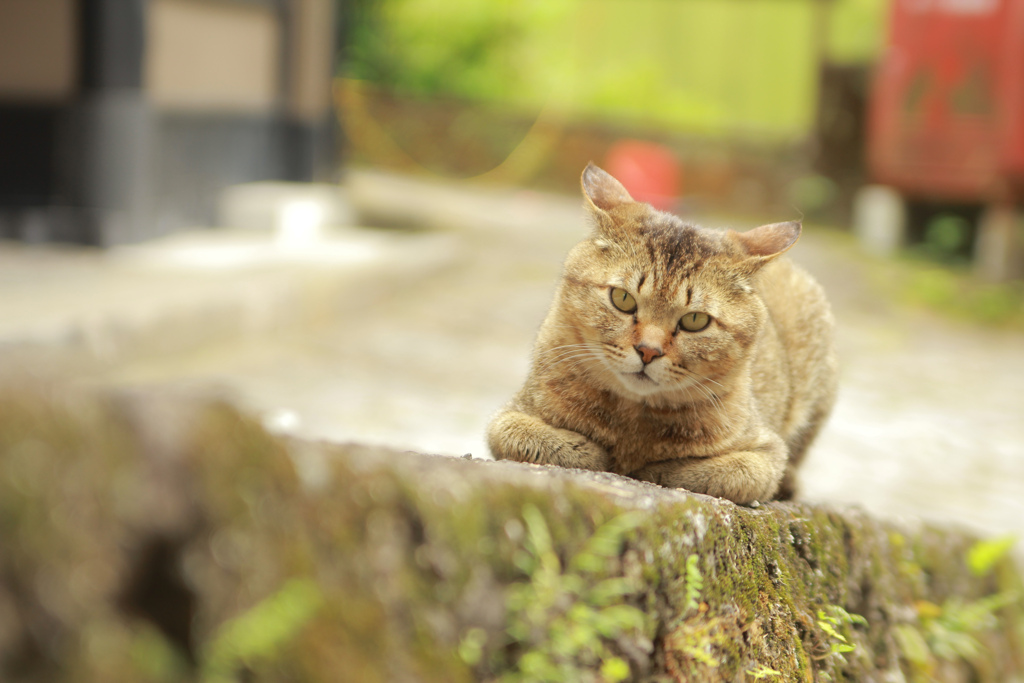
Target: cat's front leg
(740, 476)
(517, 436)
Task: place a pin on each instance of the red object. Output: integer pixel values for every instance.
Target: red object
(947, 107)
(650, 172)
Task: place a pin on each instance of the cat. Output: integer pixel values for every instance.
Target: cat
(674, 354)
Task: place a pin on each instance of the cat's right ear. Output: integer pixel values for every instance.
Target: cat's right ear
(763, 244)
(603, 192)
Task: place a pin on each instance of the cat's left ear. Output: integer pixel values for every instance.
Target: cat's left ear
(602, 190)
(763, 244)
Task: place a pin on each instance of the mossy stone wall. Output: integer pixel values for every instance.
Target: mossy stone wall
(147, 539)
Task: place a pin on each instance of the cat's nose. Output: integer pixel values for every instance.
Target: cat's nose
(648, 353)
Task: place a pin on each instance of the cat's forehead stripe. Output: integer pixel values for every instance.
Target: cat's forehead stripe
(679, 249)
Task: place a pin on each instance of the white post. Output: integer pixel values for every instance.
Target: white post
(880, 219)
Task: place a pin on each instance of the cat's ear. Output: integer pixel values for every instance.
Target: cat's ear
(763, 244)
(603, 192)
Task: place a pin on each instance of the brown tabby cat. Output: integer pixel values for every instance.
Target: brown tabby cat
(678, 355)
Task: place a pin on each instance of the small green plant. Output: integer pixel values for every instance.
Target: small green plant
(156, 658)
(692, 642)
(913, 647)
(951, 631)
(694, 583)
(696, 638)
(563, 620)
(471, 647)
(836, 618)
(258, 634)
(762, 672)
(614, 669)
(984, 555)
(697, 653)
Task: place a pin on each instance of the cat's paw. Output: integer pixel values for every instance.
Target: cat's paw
(517, 436)
(580, 452)
(743, 477)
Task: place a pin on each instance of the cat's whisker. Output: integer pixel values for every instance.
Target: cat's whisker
(691, 373)
(577, 355)
(573, 356)
(581, 345)
(708, 379)
(563, 326)
(567, 352)
(567, 346)
(562, 357)
(557, 352)
(721, 414)
(580, 365)
(713, 398)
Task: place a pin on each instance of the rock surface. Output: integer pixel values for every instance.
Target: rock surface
(157, 540)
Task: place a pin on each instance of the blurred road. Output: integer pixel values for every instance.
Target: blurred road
(422, 340)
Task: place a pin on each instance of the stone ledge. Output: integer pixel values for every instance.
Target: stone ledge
(154, 540)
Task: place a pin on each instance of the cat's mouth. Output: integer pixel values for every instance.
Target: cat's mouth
(641, 375)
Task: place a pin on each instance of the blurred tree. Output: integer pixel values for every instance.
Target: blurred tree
(746, 68)
(856, 30)
(463, 48)
(779, 76)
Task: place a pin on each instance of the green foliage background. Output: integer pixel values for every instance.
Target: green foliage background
(739, 68)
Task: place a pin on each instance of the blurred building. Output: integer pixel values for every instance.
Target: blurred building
(123, 119)
(946, 135)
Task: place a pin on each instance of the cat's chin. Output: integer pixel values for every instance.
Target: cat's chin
(640, 387)
(637, 385)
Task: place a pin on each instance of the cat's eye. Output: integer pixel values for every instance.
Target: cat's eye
(623, 300)
(694, 322)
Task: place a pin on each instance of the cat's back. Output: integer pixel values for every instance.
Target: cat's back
(797, 305)
(803, 327)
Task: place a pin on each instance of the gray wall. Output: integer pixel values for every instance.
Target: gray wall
(155, 107)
